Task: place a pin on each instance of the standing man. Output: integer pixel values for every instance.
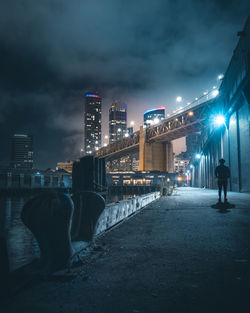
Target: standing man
(222, 173)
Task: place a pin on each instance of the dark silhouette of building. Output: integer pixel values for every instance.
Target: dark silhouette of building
(117, 121)
(22, 151)
(154, 116)
(92, 123)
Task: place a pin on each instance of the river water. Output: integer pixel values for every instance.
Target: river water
(21, 244)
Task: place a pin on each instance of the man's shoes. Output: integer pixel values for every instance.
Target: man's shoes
(219, 202)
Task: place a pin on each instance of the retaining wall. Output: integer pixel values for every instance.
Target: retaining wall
(116, 212)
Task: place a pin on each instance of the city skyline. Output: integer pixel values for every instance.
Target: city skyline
(159, 53)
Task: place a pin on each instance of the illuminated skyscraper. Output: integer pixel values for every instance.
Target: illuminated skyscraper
(154, 116)
(117, 121)
(92, 123)
(22, 151)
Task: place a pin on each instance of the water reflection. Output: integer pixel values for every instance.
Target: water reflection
(22, 246)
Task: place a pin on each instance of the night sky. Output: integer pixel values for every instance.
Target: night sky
(144, 53)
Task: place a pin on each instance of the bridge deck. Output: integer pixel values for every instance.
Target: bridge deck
(176, 255)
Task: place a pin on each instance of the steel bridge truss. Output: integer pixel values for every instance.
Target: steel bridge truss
(182, 124)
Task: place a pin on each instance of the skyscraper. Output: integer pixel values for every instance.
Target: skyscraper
(117, 121)
(22, 151)
(92, 123)
(154, 116)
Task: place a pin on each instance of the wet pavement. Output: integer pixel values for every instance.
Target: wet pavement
(179, 254)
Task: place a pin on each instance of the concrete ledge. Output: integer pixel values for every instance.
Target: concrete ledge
(116, 212)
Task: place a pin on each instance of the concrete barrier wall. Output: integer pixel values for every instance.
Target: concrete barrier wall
(116, 212)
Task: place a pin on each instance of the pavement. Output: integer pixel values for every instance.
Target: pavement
(178, 254)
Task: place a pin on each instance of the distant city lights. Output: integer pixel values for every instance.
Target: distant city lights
(220, 77)
(179, 99)
(156, 121)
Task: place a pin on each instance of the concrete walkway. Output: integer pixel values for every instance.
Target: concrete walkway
(176, 255)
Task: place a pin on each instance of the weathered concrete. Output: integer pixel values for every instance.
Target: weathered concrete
(155, 156)
(176, 255)
(116, 212)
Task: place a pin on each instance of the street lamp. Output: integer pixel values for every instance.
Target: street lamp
(219, 120)
(198, 156)
(220, 77)
(179, 99)
(215, 92)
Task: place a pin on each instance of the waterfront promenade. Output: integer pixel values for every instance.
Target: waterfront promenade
(178, 254)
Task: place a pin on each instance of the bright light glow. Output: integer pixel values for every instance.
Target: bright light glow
(90, 95)
(219, 120)
(156, 121)
(168, 179)
(96, 148)
(188, 103)
(132, 123)
(215, 92)
(168, 115)
(198, 156)
(214, 87)
(191, 113)
(191, 166)
(178, 99)
(96, 142)
(119, 130)
(179, 178)
(152, 110)
(205, 93)
(220, 77)
(106, 136)
(126, 135)
(105, 145)
(196, 99)
(82, 150)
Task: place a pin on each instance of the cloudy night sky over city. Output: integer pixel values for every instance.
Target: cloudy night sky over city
(143, 53)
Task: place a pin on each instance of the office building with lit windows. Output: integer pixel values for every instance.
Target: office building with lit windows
(22, 151)
(92, 123)
(154, 116)
(117, 121)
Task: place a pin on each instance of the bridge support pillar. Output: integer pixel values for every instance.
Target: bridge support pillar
(155, 156)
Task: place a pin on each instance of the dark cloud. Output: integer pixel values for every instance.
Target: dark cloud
(142, 52)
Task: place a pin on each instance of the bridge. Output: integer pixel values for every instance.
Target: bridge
(154, 143)
(230, 140)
